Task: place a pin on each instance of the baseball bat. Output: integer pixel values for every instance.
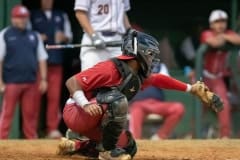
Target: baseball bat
(64, 46)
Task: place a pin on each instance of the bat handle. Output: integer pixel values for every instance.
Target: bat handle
(54, 46)
(51, 46)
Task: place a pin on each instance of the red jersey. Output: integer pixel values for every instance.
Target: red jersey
(214, 60)
(105, 74)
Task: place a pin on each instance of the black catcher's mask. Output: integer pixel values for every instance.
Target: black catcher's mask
(142, 46)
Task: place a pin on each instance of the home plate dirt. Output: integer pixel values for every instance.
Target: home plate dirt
(147, 150)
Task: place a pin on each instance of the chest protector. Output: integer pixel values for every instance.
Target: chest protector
(131, 83)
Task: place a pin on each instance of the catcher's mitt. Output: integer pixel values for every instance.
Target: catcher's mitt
(206, 96)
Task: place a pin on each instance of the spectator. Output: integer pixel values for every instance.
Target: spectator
(21, 54)
(54, 27)
(101, 21)
(215, 68)
(151, 100)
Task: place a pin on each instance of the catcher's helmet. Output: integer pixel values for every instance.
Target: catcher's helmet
(142, 46)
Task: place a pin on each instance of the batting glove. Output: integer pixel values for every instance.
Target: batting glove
(97, 41)
(128, 32)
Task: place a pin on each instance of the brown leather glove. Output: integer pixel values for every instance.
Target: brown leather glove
(209, 98)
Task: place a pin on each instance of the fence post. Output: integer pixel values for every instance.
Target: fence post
(198, 107)
(233, 63)
(234, 12)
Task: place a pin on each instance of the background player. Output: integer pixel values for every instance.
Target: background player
(21, 55)
(215, 63)
(102, 120)
(54, 28)
(101, 21)
(151, 100)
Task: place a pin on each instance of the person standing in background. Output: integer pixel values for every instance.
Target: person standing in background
(22, 54)
(215, 68)
(101, 21)
(55, 28)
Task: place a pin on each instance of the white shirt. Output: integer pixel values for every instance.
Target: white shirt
(105, 15)
(41, 52)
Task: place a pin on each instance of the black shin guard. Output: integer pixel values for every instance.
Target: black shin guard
(131, 147)
(116, 116)
(111, 133)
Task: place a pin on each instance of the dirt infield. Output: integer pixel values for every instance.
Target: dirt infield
(148, 150)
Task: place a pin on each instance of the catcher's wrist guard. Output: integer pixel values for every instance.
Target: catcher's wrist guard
(209, 98)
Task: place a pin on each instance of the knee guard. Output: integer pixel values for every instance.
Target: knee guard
(115, 118)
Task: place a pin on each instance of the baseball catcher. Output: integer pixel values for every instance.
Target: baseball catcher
(98, 103)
